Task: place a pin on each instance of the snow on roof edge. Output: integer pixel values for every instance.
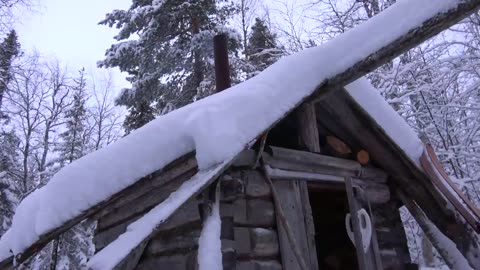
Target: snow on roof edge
(138, 231)
(370, 99)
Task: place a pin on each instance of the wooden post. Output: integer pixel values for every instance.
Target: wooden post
(295, 198)
(308, 136)
(307, 127)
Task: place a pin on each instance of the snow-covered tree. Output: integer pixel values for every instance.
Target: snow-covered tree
(9, 169)
(138, 115)
(247, 10)
(166, 48)
(70, 250)
(73, 138)
(262, 47)
(9, 13)
(105, 121)
(9, 50)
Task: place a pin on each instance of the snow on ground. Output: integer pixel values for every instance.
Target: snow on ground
(231, 118)
(209, 243)
(138, 231)
(392, 123)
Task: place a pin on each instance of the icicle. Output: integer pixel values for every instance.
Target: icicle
(210, 245)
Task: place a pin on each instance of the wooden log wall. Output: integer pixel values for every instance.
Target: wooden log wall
(249, 232)
(391, 237)
(251, 239)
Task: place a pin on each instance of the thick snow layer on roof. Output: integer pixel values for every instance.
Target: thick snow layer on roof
(390, 121)
(138, 231)
(218, 127)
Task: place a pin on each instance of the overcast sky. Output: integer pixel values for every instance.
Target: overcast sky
(69, 31)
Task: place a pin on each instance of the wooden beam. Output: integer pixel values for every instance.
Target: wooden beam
(296, 156)
(307, 127)
(375, 192)
(294, 160)
(307, 176)
(309, 139)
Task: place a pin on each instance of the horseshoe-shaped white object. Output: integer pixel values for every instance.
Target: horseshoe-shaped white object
(365, 228)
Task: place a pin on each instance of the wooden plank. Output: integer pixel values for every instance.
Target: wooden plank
(374, 192)
(309, 226)
(461, 209)
(186, 165)
(446, 177)
(131, 261)
(366, 260)
(308, 137)
(307, 127)
(102, 239)
(292, 205)
(433, 168)
(246, 158)
(295, 160)
(390, 234)
(296, 156)
(296, 175)
(141, 204)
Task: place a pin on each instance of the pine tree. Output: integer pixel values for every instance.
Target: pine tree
(262, 48)
(9, 49)
(9, 194)
(139, 114)
(72, 146)
(9, 167)
(170, 64)
(70, 250)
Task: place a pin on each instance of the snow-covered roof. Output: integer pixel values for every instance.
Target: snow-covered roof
(363, 92)
(217, 127)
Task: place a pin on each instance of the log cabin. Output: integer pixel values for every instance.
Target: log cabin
(284, 178)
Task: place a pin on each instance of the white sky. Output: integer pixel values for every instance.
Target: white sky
(68, 30)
